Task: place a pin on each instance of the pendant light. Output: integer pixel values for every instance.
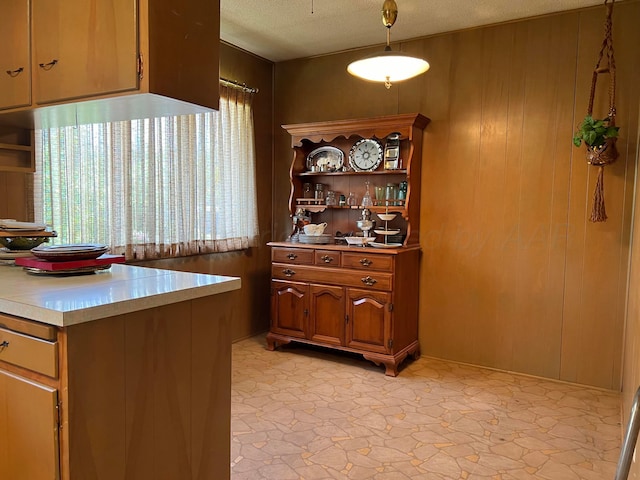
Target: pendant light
(388, 66)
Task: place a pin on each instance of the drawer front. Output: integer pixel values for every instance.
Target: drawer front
(29, 352)
(367, 262)
(333, 276)
(327, 258)
(296, 256)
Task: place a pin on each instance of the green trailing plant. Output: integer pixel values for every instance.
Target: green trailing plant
(594, 133)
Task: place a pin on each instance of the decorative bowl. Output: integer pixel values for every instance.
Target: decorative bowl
(386, 217)
(315, 229)
(363, 241)
(22, 243)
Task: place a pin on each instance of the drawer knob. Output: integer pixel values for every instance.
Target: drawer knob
(288, 272)
(326, 259)
(365, 262)
(292, 256)
(4, 345)
(368, 280)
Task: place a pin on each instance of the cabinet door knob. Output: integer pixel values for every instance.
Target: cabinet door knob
(368, 280)
(15, 73)
(4, 345)
(326, 259)
(365, 262)
(292, 256)
(48, 66)
(288, 272)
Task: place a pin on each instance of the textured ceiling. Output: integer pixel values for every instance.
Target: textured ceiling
(286, 29)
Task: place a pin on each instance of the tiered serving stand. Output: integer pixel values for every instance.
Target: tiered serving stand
(386, 232)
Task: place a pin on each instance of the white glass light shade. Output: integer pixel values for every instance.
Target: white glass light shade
(388, 66)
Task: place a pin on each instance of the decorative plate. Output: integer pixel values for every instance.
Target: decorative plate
(365, 155)
(78, 251)
(72, 271)
(385, 245)
(330, 156)
(387, 232)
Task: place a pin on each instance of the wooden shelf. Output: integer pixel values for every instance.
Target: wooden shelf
(376, 172)
(16, 151)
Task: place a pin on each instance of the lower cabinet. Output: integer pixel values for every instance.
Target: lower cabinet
(28, 429)
(143, 395)
(362, 302)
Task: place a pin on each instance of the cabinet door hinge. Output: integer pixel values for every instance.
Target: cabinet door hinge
(391, 307)
(306, 312)
(390, 343)
(140, 67)
(59, 415)
(346, 319)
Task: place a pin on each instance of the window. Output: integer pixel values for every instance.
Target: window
(153, 188)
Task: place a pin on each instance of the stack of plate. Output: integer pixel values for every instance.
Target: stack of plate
(70, 252)
(73, 259)
(315, 239)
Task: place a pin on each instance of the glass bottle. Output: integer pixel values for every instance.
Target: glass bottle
(319, 191)
(366, 198)
(306, 190)
(352, 200)
(331, 198)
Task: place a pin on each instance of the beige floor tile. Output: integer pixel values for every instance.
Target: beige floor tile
(309, 414)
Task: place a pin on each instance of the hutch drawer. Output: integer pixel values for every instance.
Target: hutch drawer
(363, 261)
(297, 256)
(345, 277)
(327, 257)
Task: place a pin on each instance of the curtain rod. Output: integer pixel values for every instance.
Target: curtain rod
(242, 86)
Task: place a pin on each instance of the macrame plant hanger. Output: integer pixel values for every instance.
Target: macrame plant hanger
(607, 153)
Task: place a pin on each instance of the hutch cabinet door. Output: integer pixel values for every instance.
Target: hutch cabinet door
(83, 48)
(289, 308)
(369, 324)
(327, 314)
(15, 67)
(28, 430)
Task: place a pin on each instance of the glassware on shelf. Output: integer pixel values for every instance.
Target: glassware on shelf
(307, 192)
(391, 193)
(352, 200)
(402, 193)
(331, 199)
(380, 192)
(319, 191)
(366, 198)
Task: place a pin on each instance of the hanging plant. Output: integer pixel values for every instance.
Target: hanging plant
(599, 136)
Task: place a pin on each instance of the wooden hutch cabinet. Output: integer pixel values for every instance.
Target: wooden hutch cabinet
(351, 298)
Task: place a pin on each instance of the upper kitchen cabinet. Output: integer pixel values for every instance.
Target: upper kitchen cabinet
(15, 63)
(108, 60)
(83, 48)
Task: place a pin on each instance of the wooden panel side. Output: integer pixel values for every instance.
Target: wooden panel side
(211, 386)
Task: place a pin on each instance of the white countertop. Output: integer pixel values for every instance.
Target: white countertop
(65, 301)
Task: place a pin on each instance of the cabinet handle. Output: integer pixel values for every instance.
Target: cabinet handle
(368, 280)
(288, 272)
(4, 345)
(326, 259)
(365, 262)
(48, 66)
(16, 72)
(292, 256)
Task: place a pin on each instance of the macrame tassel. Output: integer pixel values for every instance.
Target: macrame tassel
(598, 212)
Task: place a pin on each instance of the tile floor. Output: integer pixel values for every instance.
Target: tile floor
(300, 413)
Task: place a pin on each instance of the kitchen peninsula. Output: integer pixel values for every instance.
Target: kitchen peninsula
(121, 374)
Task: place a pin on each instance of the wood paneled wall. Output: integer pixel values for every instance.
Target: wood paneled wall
(513, 275)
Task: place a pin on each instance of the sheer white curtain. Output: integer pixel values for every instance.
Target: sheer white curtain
(153, 188)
